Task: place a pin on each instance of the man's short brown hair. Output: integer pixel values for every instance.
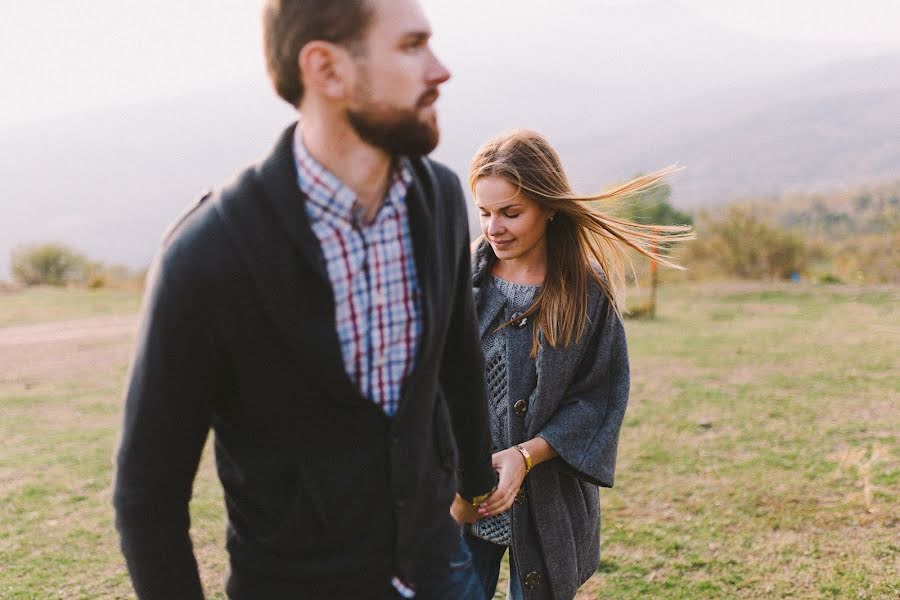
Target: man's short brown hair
(288, 25)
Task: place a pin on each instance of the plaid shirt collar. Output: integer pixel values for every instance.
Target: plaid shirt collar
(323, 188)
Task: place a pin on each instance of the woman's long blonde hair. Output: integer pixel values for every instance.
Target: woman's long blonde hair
(582, 242)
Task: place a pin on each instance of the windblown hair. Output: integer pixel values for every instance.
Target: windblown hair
(583, 243)
(288, 25)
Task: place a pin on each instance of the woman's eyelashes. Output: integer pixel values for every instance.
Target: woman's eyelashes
(507, 215)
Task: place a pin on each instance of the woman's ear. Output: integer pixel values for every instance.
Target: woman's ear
(324, 67)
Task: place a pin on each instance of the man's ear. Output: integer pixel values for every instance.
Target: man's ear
(326, 67)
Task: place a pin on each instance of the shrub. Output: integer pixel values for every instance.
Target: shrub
(741, 245)
(868, 258)
(47, 264)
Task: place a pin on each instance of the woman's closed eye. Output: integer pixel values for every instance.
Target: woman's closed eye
(507, 215)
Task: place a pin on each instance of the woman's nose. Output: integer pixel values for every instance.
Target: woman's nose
(495, 227)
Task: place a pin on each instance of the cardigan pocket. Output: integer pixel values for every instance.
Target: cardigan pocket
(303, 525)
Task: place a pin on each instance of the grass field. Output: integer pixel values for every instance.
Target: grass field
(49, 304)
(759, 457)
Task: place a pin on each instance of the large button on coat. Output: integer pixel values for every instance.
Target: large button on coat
(520, 407)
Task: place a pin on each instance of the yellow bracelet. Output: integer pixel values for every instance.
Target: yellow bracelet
(481, 498)
(526, 456)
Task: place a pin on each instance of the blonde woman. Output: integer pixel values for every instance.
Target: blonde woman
(549, 283)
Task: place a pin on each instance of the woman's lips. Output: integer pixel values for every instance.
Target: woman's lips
(501, 244)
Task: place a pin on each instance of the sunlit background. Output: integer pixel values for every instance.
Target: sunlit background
(759, 456)
(115, 114)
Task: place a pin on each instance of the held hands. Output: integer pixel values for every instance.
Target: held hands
(510, 465)
(463, 511)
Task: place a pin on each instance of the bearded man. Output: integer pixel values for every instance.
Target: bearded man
(315, 314)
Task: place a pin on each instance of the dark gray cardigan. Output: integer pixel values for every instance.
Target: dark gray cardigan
(327, 497)
(576, 398)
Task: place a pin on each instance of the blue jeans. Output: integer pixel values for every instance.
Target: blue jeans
(462, 582)
(486, 558)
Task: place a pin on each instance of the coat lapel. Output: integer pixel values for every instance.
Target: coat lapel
(270, 225)
(486, 305)
(561, 362)
(421, 225)
(555, 365)
(279, 179)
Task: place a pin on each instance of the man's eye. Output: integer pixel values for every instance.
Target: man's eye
(512, 216)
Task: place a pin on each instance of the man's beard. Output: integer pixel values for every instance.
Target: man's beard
(397, 131)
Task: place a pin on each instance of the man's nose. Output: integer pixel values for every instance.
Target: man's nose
(437, 72)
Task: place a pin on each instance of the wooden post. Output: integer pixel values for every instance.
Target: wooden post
(654, 282)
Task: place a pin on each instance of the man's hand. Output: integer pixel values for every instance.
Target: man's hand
(462, 511)
(510, 465)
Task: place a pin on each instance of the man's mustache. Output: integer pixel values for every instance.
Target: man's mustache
(428, 98)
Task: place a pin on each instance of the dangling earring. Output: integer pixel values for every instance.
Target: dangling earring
(550, 220)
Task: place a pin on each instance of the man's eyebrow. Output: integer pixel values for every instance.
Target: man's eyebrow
(417, 37)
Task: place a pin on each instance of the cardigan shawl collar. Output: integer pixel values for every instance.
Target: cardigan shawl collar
(282, 292)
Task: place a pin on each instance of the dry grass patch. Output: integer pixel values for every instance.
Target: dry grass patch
(759, 458)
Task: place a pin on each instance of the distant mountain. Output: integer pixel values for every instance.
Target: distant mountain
(110, 182)
(624, 94)
(833, 127)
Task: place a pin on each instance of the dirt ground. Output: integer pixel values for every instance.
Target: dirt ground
(52, 352)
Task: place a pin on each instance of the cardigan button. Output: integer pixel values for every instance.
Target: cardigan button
(532, 580)
(520, 407)
(515, 320)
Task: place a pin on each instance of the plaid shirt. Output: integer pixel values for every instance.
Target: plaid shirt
(373, 276)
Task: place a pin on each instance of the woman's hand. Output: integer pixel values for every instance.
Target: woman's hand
(510, 464)
(462, 511)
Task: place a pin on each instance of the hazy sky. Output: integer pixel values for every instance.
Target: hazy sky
(59, 56)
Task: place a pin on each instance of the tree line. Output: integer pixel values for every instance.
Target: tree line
(844, 236)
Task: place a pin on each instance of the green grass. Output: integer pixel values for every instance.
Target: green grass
(748, 444)
(760, 456)
(43, 304)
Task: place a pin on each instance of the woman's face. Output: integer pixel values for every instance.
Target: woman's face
(515, 225)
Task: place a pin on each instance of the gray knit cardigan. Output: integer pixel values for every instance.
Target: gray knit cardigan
(576, 397)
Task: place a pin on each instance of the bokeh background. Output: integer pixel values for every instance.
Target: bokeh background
(760, 455)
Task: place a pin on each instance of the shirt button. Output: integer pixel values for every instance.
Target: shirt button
(380, 361)
(520, 407)
(379, 299)
(400, 504)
